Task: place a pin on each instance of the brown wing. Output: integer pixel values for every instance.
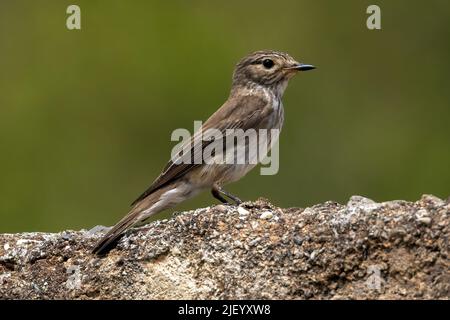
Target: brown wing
(241, 112)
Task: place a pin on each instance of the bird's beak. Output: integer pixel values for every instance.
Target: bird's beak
(301, 67)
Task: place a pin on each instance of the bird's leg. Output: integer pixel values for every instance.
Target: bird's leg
(217, 192)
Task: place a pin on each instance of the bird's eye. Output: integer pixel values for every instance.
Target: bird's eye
(267, 63)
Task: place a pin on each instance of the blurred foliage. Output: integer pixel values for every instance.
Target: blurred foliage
(86, 116)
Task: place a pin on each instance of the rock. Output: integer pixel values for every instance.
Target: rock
(243, 212)
(358, 201)
(266, 215)
(221, 208)
(361, 250)
(432, 200)
(422, 216)
(96, 229)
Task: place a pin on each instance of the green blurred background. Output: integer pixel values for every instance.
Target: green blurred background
(86, 116)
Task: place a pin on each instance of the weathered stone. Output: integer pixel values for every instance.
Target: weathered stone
(362, 250)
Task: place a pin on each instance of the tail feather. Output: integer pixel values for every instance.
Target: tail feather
(158, 201)
(112, 236)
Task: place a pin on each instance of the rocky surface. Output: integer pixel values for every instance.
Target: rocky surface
(361, 250)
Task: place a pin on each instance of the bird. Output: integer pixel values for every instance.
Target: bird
(254, 103)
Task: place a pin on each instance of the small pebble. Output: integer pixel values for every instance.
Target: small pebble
(66, 236)
(242, 211)
(221, 208)
(298, 241)
(254, 242)
(98, 229)
(254, 224)
(422, 216)
(266, 215)
(424, 220)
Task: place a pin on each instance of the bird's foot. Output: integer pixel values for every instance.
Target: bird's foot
(217, 192)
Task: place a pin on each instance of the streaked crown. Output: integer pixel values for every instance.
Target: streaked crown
(267, 68)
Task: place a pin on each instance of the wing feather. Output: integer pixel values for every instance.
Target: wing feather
(236, 113)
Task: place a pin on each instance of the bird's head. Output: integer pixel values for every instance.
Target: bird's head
(270, 69)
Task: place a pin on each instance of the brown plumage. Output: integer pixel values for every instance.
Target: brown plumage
(259, 81)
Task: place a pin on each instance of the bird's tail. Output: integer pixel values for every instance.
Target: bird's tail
(152, 204)
(112, 236)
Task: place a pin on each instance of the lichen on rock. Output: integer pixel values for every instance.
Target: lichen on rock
(361, 250)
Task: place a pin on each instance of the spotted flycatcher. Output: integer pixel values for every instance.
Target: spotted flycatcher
(259, 81)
